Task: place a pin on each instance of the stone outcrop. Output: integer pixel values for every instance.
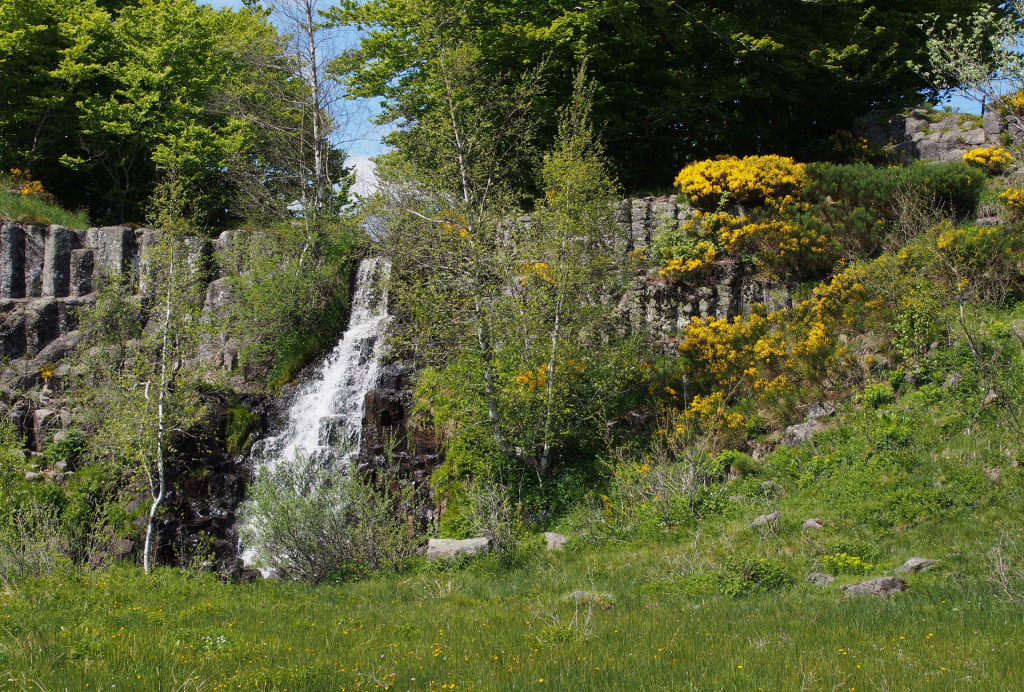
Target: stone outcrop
(665, 308)
(927, 136)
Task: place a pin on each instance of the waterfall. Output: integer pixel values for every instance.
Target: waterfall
(325, 417)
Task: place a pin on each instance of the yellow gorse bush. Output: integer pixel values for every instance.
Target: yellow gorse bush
(751, 180)
(1014, 201)
(992, 159)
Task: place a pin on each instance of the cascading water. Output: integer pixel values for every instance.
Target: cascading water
(324, 420)
(325, 416)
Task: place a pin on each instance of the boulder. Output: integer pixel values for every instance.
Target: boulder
(820, 409)
(814, 524)
(766, 520)
(916, 564)
(446, 548)
(122, 549)
(799, 433)
(993, 126)
(555, 541)
(820, 578)
(879, 586)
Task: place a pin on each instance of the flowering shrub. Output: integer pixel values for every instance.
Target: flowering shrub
(993, 159)
(841, 563)
(751, 180)
(1014, 201)
(23, 184)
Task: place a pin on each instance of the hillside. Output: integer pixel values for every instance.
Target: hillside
(671, 345)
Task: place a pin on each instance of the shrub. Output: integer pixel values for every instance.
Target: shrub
(741, 577)
(992, 159)
(1014, 201)
(32, 544)
(489, 513)
(954, 187)
(751, 180)
(306, 522)
(877, 395)
(841, 563)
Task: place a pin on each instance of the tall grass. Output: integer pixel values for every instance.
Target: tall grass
(29, 209)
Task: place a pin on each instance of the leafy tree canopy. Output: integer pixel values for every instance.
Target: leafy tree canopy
(676, 80)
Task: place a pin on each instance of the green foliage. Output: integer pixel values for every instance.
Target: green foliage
(289, 296)
(241, 424)
(28, 209)
(841, 563)
(954, 187)
(104, 102)
(742, 69)
(306, 523)
(877, 395)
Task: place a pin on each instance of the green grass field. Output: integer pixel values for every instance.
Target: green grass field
(29, 209)
(676, 603)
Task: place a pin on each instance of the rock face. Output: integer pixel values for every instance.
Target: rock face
(919, 136)
(880, 586)
(667, 309)
(447, 548)
(388, 437)
(916, 564)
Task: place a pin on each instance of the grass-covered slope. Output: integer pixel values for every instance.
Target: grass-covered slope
(24, 200)
(921, 470)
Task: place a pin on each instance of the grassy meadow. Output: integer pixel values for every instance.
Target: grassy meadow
(708, 605)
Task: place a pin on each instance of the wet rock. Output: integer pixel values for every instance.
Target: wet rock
(555, 541)
(820, 578)
(916, 564)
(446, 548)
(814, 524)
(766, 520)
(879, 586)
(798, 434)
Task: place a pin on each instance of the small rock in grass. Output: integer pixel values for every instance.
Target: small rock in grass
(555, 541)
(766, 520)
(820, 409)
(917, 564)
(61, 466)
(991, 398)
(814, 524)
(32, 476)
(820, 578)
(449, 548)
(953, 380)
(879, 586)
(799, 433)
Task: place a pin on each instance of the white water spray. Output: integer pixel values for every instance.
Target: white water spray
(326, 414)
